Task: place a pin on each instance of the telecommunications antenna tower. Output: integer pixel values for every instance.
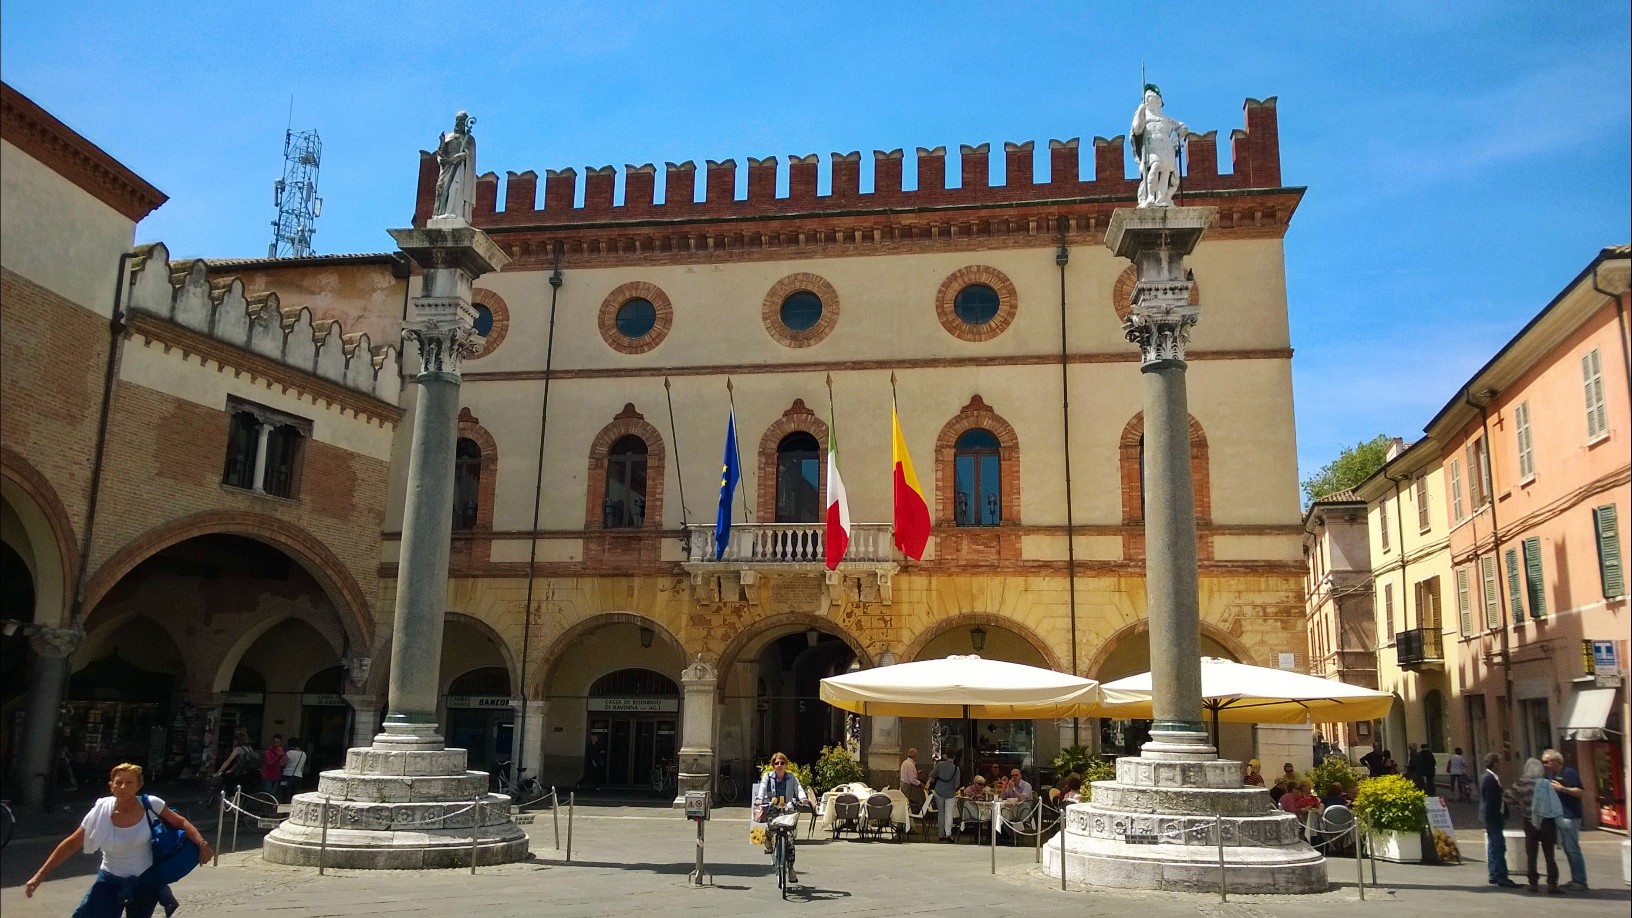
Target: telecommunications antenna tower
(296, 195)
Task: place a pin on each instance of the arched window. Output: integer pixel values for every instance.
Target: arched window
(467, 483)
(283, 447)
(977, 479)
(798, 479)
(624, 506)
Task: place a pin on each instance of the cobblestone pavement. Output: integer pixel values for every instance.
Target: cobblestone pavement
(629, 860)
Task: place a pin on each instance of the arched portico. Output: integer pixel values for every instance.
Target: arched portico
(918, 649)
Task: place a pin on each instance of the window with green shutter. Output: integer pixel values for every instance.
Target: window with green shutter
(1493, 600)
(1592, 380)
(1515, 595)
(1610, 572)
(1464, 602)
(1533, 585)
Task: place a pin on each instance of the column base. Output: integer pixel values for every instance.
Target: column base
(1182, 744)
(408, 736)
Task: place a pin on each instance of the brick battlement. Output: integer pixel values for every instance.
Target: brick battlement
(1255, 163)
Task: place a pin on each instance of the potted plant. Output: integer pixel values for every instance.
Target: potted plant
(834, 767)
(1078, 760)
(1396, 812)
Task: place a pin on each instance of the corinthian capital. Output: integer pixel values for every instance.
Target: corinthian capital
(1161, 333)
(442, 346)
(55, 643)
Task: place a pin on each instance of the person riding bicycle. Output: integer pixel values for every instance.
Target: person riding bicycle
(779, 783)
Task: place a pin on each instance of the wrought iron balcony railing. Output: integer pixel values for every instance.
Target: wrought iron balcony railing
(788, 543)
(1419, 646)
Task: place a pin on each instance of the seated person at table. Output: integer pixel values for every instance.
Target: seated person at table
(1334, 796)
(1017, 788)
(1300, 799)
(977, 790)
(1254, 776)
(1073, 789)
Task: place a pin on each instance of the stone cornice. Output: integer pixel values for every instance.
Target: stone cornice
(38, 133)
(309, 385)
(1246, 214)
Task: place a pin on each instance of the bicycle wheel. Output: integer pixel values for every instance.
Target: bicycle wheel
(728, 789)
(782, 863)
(8, 824)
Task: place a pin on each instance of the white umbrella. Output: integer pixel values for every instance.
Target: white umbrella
(963, 686)
(1240, 693)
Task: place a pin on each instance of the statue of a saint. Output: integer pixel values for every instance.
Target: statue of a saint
(1157, 142)
(456, 167)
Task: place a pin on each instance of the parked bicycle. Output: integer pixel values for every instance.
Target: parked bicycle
(8, 822)
(728, 785)
(665, 778)
(522, 790)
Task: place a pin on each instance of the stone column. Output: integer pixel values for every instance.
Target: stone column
(261, 440)
(530, 752)
(36, 760)
(700, 684)
(364, 708)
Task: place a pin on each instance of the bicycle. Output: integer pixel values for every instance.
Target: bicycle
(665, 778)
(782, 821)
(8, 822)
(728, 783)
(523, 791)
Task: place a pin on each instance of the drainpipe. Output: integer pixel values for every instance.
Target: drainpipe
(520, 752)
(1061, 257)
(1488, 485)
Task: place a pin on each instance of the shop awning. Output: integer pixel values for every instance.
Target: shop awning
(1585, 713)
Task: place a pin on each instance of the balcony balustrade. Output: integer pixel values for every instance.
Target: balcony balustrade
(1419, 648)
(793, 545)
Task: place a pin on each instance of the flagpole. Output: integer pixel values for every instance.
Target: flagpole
(731, 394)
(832, 417)
(679, 476)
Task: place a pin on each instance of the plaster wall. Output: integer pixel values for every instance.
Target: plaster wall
(59, 236)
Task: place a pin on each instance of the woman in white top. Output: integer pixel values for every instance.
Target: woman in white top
(294, 768)
(118, 827)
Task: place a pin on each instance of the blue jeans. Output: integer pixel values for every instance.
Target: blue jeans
(131, 897)
(1495, 851)
(1569, 838)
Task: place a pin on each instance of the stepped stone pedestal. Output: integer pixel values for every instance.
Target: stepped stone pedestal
(1156, 827)
(394, 809)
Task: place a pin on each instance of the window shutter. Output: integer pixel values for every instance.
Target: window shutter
(1521, 423)
(1388, 613)
(1382, 519)
(1515, 595)
(1464, 602)
(1456, 490)
(1493, 610)
(1423, 518)
(1592, 378)
(1610, 570)
(1532, 578)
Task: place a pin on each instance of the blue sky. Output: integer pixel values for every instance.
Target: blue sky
(1464, 161)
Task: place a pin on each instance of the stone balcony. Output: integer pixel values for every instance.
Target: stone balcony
(784, 552)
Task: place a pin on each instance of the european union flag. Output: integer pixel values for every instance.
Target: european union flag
(730, 471)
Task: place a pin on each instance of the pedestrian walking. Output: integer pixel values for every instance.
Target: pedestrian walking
(242, 765)
(272, 759)
(1493, 813)
(294, 769)
(1457, 767)
(943, 782)
(1567, 783)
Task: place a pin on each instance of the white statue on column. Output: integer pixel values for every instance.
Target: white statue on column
(456, 169)
(1158, 140)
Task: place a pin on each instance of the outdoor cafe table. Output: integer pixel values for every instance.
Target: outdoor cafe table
(1008, 811)
(900, 809)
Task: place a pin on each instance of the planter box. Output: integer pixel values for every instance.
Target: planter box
(1397, 847)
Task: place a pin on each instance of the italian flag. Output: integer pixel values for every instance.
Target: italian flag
(911, 510)
(838, 510)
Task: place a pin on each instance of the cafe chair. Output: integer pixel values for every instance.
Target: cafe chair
(928, 817)
(880, 816)
(846, 814)
(975, 817)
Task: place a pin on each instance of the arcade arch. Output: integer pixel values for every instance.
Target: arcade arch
(476, 691)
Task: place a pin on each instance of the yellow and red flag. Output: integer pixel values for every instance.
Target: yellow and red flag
(911, 510)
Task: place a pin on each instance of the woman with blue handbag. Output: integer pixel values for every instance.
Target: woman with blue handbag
(127, 828)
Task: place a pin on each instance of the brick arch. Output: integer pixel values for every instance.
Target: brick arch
(796, 418)
(1111, 643)
(28, 481)
(780, 625)
(977, 415)
(1133, 510)
(971, 619)
(470, 428)
(506, 654)
(1122, 292)
(564, 642)
(310, 553)
(501, 322)
(627, 422)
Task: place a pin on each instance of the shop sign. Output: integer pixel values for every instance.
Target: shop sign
(243, 698)
(481, 701)
(1606, 664)
(322, 700)
(634, 705)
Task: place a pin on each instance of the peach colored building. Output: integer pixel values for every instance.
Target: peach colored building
(1338, 603)
(1534, 448)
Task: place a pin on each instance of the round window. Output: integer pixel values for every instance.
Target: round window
(801, 311)
(484, 320)
(976, 304)
(636, 318)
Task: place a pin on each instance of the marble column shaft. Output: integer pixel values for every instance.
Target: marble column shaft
(1170, 550)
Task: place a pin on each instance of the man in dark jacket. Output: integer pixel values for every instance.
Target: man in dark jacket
(1493, 812)
(1426, 766)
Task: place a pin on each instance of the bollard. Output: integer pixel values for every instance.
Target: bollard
(1038, 812)
(572, 801)
(1371, 853)
(323, 839)
(555, 814)
(237, 808)
(1223, 893)
(220, 825)
(994, 837)
(1063, 805)
(1359, 866)
(475, 834)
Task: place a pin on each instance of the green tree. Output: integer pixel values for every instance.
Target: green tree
(1352, 466)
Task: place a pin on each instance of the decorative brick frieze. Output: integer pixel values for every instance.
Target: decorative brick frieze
(946, 302)
(607, 319)
(771, 311)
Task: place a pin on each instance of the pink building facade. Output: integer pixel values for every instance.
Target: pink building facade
(1535, 450)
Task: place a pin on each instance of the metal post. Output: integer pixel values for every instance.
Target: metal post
(1062, 847)
(555, 814)
(323, 840)
(995, 817)
(1359, 865)
(475, 834)
(1371, 853)
(1037, 811)
(572, 800)
(237, 808)
(1223, 892)
(220, 825)
(696, 880)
